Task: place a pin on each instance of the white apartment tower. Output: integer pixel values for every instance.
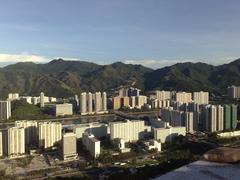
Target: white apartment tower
(183, 97)
(104, 101)
(98, 102)
(83, 103)
(128, 131)
(201, 97)
(89, 103)
(5, 110)
(50, 133)
(30, 128)
(16, 141)
(41, 99)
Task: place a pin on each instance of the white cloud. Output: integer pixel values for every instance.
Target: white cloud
(156, 63)
(24, 57)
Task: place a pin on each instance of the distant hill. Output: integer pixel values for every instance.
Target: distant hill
(63, 78)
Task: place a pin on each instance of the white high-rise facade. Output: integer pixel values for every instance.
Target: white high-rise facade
(97, 102)
(31, 134)
(89, 103)
(42, 100)
(104, 101)
(163, 95)
(5, 110)
(83, 103)
(50, 134)
(201, 97)
(16, 141)
(129, 130)
(183, 97)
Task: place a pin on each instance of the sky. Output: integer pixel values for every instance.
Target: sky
(154, 33)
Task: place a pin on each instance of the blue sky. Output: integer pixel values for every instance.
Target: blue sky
(154, 33)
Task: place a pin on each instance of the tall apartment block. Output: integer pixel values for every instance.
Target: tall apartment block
(91, 144)
(5, 110)
(13, 96)
(201, 97)
(230, 117)
(83, 103)
(31, 133)
(16, 141)
(183, 97)
(3, 143)
(234, 92)
(97, 100)
(69, 146)
(42, 100)
(129, 130)
(50, 134)
(163, 95)
(116, 102)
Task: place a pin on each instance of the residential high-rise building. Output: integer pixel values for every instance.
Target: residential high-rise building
(3, 142)
(16, 141)
(63, 109)
(30, 128)
(91, 144)
(5, 110)
(133, 101)
(83, 103)
(13, 96)
(42, 100)
(201, 97)
(163, 95)
(230, 117)
(234, 92)
(183, 97)
(50, 134)
(220, 118)
(69, 146)
(116, 102)
(104, 101)
(125, 101)
(141, 101)
(129, 130)
(89, 103)
(97, 102)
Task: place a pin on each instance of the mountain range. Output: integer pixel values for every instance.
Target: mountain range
(62, 78)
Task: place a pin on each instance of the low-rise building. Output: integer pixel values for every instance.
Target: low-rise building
(63, 109)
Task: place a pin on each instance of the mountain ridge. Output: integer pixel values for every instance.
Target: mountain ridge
(64, 78)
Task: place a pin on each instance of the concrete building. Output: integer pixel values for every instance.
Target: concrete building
(141, 101)
(16, 141)
(69, 146)
(167, 134)
(5, 110)
(31, 133)
(13, 96)
(183, 97)
(125, 101)
(116, 103)
(234, 92)
(129, 131)
(63, 109)
(104, 101)
(97, 129)
(201, 97)
(83, 104)
(153, 144)
(230, 117)
(42, 100)
(163, 95)
(50, 134)
(132, 101)
(92, 144)
(89, 103)
(3, 142)
(97, 102)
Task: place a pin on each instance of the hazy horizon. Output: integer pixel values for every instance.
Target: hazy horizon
(153, 33)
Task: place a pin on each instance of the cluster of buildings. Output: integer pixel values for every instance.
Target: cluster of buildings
(129, 98)
(93, 103)
(233, 92)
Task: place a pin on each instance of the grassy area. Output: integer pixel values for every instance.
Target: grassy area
(23, 162)
(23, 110)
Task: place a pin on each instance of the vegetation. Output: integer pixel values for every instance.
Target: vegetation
(65, 78)
(23, 110)
(24, 162)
